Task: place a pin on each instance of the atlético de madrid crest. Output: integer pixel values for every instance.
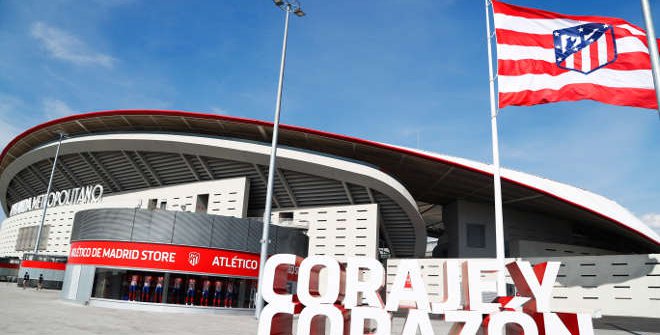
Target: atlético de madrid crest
(585, 48)
(193, 258)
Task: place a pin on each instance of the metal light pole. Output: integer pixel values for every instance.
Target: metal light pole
(288, 6)
(50, 184)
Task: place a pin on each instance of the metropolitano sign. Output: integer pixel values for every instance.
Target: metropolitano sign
(72, 196)
(351, 296)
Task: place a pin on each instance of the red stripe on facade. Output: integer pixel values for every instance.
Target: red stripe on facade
(43, 265)
(8, 266)
(616, 96)
(157, 256)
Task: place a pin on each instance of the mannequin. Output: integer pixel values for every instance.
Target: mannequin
(190, 294)
(132, 287)
(217, 294)
(146, 289)
(229, 294)
(206, 286)
(158, 292)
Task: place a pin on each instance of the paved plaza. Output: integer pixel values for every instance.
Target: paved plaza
(41, 312)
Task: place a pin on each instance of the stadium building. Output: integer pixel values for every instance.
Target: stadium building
(148, 205)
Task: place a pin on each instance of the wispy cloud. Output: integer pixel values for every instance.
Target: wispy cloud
(8, 106)
(652, 220)
(219, 110)
(55, 108)
(66, 46)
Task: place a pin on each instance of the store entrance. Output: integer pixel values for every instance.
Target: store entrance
(174, 288)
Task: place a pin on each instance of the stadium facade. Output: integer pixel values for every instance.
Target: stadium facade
(147, 205)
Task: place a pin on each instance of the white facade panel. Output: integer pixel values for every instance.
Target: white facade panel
(618, 285)
(228, 197)
(343, 231)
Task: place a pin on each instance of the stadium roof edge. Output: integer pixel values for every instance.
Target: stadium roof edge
(573, 196)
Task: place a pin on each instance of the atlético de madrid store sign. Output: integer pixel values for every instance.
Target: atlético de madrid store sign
(349, 298)
(165, 257)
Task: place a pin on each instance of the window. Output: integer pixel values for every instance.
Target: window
(476, 235)
(286, 216)
(202, 203)
(163, 205)
(152, 204)
(27, 238)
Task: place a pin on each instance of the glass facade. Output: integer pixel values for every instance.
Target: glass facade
(174, 288)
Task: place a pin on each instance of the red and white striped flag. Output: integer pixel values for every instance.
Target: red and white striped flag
(547, 57)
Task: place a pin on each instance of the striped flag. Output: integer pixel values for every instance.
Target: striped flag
(547, 57)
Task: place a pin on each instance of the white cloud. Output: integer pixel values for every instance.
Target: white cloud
(652, 220)
(8, 106)
(65, 46)
(55, 108)
(219, 110)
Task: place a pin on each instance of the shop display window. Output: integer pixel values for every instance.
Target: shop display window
(174, 288)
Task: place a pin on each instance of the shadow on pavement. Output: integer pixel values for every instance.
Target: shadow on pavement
(628, 324)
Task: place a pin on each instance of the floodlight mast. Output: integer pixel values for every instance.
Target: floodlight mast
(50, 184)
(288, 6)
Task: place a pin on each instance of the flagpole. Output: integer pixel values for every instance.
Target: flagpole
(653, 49)
(497, 186)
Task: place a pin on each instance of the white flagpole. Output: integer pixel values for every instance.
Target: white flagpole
(653, 49)
(497, 187)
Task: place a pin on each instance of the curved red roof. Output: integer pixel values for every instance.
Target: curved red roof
(467, 178)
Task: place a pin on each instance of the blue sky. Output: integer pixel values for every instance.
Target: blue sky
(411, 73)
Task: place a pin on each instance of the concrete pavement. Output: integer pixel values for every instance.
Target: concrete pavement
(41, 312)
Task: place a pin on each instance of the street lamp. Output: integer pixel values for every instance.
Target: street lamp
(288, 6)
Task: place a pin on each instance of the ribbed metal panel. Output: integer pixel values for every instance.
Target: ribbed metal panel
(398, 225)
(162, 226)
(103, 224)
(141, 226)
(192, 229)
(254, 235)
(230, 233)
(359, 193)
(214, 231)
(313, 191)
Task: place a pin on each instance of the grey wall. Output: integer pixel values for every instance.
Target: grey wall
(78, 282)
(518, 225)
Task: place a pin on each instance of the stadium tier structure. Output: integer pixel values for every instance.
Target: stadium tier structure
(164, 182)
